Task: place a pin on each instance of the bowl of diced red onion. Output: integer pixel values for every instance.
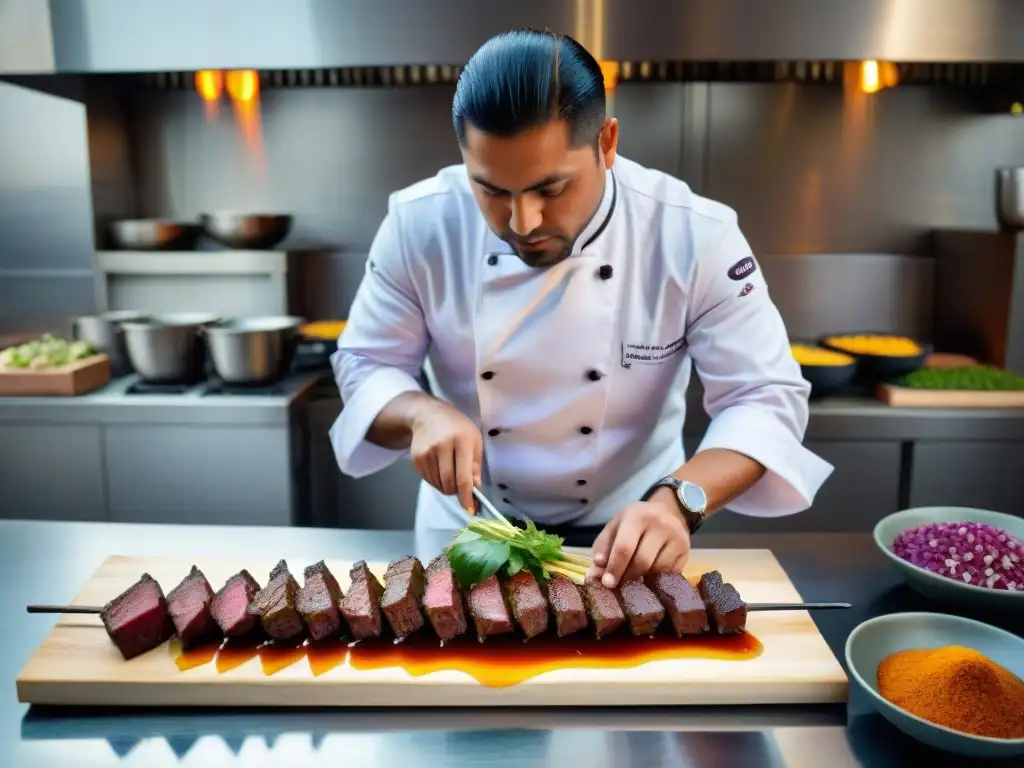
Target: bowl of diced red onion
(958, 555)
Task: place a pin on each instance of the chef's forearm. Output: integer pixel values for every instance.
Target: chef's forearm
(393, 426)
(722, 474)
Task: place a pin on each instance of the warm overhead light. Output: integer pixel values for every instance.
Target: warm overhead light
(243, 85)
(876, 75)
(210, 85)
(610, 73)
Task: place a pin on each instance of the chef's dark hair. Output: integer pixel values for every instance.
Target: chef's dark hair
(523, 78)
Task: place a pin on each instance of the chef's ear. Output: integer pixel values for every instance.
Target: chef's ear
(608, 141)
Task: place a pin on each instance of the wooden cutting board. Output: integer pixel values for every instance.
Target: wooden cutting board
(908, 397)
(77, 665)
(77, 378)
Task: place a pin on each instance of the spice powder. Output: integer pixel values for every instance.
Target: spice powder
(955, 687)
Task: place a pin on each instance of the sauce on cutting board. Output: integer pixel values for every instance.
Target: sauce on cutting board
(498, 662)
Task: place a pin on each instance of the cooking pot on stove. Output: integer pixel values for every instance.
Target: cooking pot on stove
(253, 351)
(102, 332)
(167, 348)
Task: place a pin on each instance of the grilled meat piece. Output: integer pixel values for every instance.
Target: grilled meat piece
(188, 605)
(137, 620)
(230, 605)
(529, 608)
(275, 605)
(566, 604)
(488, 609)
(682, 603)
(403, 590)
(442, 600)
(726, 609)
(641, 606)
(603, 608)
(361, 604)
(317, 602)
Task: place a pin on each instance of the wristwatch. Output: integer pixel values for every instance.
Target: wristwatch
(692, 500)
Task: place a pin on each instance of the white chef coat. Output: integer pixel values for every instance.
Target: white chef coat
(576, 374)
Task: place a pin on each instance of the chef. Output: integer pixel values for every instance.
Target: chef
(556, 297)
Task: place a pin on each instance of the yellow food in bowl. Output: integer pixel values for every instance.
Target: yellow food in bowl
(324, 329)
(805, 354)
(866, 344)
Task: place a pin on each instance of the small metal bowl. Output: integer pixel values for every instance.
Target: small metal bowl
(247, 230)
(155, 234)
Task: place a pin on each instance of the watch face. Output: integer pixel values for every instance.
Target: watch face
(693, 497)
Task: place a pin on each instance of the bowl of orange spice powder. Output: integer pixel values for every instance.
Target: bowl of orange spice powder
(949, 682)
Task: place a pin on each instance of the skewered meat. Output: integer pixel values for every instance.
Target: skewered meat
(529, 607)
(566, 604)
(641, 606)
(137, 620)
(403, 590)
(726, 609)
(603, 608)
(141, 618)
(231, 605)
(361, 604)
(488, 609)
(682, 603)
(275, 605)
(188, 605)
(317, 601)
(442, 600)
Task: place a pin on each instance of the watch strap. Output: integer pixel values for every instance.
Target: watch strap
(694, 519)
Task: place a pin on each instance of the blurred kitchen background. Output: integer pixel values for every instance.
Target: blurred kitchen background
(859, 142)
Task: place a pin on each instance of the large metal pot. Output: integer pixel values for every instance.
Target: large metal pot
(167, 348)
(1010, 197)
(103, 332)
(253, 351)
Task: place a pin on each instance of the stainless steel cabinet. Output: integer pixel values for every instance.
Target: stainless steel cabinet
(864, 488)
(51, 472)
(989, 475)
(218, 475)
(385, 500)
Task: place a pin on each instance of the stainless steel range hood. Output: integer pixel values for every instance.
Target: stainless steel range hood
(186, 35)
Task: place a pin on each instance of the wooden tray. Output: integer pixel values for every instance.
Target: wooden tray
(907, 397)
(77, 665)
(68, 380)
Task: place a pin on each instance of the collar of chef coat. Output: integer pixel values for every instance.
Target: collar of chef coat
(592, 231)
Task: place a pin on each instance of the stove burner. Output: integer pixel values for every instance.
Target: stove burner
(218, 387)
(158, 388)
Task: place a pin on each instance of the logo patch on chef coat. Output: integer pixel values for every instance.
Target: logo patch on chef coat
(650, 354)
(746, 289)
(743, 268)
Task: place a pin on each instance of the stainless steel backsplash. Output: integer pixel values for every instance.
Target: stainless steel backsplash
(836, 192)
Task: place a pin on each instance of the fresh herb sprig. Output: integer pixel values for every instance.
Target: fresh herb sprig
(484, 547)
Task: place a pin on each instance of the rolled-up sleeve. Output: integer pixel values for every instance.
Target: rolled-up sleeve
(380, 353)
(754, 391)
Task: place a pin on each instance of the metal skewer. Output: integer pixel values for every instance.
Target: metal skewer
(87, 609)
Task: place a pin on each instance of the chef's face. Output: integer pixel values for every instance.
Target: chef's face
(535, 189)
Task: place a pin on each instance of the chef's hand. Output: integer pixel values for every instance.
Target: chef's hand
(645, 537)
(446, 450)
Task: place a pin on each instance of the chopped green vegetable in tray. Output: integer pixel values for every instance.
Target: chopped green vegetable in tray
(46, 352)
(974, 378)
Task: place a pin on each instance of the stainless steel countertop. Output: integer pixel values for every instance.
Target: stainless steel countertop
(48, 562)
(111, 405)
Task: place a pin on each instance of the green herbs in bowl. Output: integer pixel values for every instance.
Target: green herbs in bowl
(972, 378)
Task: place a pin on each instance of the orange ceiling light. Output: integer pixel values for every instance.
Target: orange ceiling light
(210, 85)
(876, 75)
